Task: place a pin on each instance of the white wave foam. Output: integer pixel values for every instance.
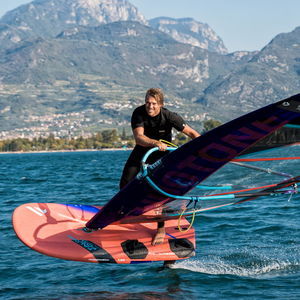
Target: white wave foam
(218, 266)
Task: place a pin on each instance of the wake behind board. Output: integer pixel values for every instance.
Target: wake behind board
(57, 230)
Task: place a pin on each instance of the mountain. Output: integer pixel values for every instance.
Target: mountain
(120, 55)
(189, 31)
(81, 65)
(48, 18)
(127, 52)
(271, 74)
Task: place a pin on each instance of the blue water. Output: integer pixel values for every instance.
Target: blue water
(249, 251)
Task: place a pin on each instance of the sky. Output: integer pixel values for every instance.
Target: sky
(241, 24)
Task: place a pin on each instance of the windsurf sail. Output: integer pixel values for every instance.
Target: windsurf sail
(183, 169)
(286, 135)
(253, 177)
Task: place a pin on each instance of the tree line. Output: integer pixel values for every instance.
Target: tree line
(109, 138)
(104, 139)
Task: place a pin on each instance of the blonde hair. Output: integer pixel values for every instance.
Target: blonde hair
(157, 94)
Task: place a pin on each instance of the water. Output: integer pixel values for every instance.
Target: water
(249, 251)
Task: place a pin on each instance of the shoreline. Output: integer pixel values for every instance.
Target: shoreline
(62, 151)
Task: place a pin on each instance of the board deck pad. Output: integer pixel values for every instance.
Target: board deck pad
(58, 230)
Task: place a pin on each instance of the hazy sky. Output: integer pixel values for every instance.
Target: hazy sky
(242, 24)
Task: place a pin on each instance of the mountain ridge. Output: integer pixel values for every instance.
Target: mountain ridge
(95, 63)
(189, 31)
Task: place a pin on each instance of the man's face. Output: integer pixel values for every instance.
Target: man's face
(152, 107)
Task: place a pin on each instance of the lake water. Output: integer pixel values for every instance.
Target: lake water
(250, 251)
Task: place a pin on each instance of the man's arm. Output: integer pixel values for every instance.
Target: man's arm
(142, 140)
(190, 132)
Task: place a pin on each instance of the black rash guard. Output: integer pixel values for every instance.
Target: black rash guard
(158, 127)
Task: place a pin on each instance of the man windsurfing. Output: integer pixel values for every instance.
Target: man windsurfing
(151, 123)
